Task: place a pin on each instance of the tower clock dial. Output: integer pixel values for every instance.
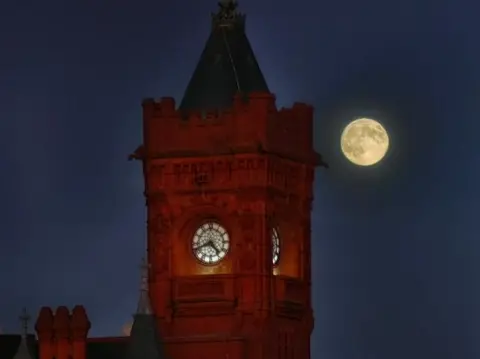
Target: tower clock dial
(210, 243)
(275, 246)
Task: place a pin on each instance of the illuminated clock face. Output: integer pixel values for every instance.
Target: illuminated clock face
(275, 246)
(210, 243)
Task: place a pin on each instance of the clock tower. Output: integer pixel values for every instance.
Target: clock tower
(229, 188)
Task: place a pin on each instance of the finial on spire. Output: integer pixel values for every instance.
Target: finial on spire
(23, 351)
(144, 274)
(144, 340)
(227, 14)
(24, 320)
(228, 4)
(144, 300)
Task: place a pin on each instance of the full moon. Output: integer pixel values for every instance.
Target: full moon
(364, 142)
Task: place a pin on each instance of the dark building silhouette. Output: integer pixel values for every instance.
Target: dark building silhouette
(229, 189)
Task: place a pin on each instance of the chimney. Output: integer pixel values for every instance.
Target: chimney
(61, 329)
(44, 328)
(79, 327)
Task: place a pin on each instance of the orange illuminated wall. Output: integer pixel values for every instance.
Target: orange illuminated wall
(249, 169)
(62, 335)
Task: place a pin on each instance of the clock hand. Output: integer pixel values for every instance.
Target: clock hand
(198, 246)
(212, 244)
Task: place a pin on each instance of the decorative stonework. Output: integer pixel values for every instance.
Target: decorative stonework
(228, 172)
(159, 229)
(247, 260)
(200, 289)
(159, 225)
(247, 223)
(295, 291)
(248, 245)
(240, 164)
(162, 262)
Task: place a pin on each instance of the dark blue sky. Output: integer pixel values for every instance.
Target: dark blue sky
(395, 248)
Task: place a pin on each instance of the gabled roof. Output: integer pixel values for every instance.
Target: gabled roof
(227, 65)
(10, 344)
(143, 343)
(24, 348)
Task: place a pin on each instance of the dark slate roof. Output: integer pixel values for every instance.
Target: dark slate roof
(104, 348)
(10, 343)
(24, 350)
(107, 349)
(227, 65)
(144, 341)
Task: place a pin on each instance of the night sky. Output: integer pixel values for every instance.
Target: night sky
(396, 251)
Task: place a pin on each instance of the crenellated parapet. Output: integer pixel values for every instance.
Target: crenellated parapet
(251, 125)
(62, 335)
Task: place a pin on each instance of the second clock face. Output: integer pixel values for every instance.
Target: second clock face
(275, 246)
(210, 243)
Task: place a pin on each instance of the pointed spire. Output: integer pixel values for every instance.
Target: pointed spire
(24, 319)
(144, 306)
(227, 66)
(144, 341)
(23, 351)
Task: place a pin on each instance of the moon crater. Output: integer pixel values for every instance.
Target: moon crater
(364, 142)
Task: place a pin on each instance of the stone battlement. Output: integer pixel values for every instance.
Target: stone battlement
(252, 123)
